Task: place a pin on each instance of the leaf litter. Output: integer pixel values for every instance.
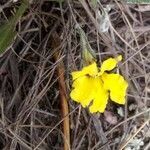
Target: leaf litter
(30, 106)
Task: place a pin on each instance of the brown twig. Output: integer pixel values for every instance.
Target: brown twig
(63, 93)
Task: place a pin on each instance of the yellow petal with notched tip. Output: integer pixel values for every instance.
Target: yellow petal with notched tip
(89, 91)
(83, 90)
(110, 64)
(91, 70)
(117, 86)
(101, 98)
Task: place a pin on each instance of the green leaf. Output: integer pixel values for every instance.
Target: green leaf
(7, 30)
(137, 1)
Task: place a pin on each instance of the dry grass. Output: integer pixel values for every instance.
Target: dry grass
(30, 109)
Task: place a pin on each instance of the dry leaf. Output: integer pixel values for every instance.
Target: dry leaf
(110, 118)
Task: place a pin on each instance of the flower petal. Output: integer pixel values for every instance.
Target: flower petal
(84, 90)
(117, 86)
(100, 99)
(110, 64)
(91, 70)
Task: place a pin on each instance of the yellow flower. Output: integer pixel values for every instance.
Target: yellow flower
(92, 86)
